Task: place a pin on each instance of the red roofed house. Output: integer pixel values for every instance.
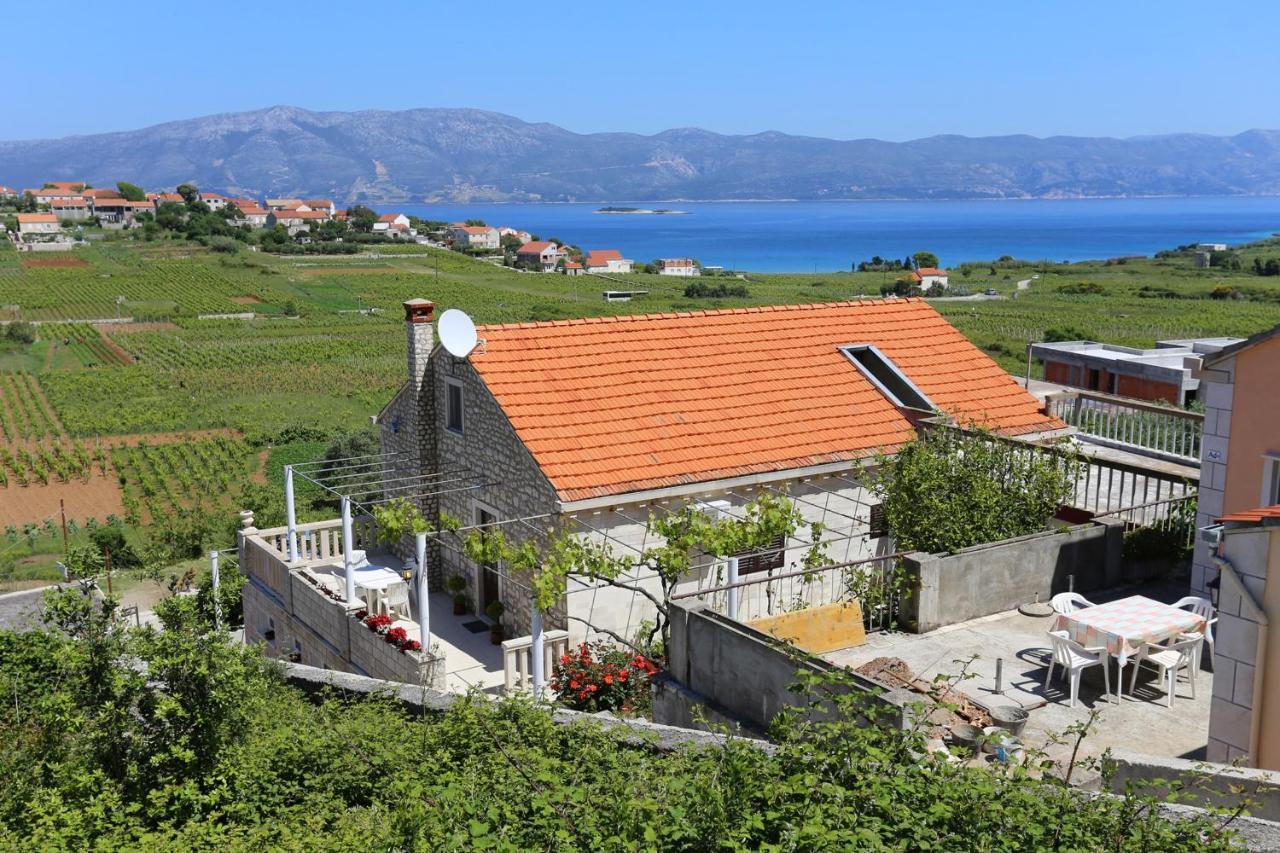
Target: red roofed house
(30, 224)
(119, 212)
(927, 277)
(475, 237)
(48, 194)
(678, 266)
(608, 419)
(8, 192)
(105, 192)
(325, 204)
(540, 255)
(163, 198)
(254, 216)
(73, 209)
(214, 200)
(392, 223)
(295, 220)
(607, 260)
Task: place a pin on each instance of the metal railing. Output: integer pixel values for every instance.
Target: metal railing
(871, 582)
(1175, 517)
(1145, 428)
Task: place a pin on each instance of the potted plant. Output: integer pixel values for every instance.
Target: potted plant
(494, 611)
(457, 586)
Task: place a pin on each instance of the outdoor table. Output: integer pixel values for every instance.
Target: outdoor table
(1124, 626)
(376, 578)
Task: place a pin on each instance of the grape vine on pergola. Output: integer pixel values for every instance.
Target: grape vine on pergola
(362, 483)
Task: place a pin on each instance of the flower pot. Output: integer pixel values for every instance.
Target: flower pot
(495, 635)
(459, 607)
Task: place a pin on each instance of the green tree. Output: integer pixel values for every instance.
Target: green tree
(925, 259)
(476, 223)
(132, 192)
(361, 218)
(190, 193)
(950, 489)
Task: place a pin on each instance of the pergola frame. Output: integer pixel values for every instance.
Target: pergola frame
(345, 479)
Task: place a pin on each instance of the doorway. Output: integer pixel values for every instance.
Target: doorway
(489, 588)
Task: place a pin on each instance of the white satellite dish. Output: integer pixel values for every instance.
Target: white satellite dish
(457, 333)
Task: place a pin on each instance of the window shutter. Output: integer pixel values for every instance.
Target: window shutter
(879, 524)
(772, 557)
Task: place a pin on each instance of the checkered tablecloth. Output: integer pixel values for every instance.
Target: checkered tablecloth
(1123, 626)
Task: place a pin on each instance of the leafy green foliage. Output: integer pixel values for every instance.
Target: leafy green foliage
(179, 740)
(951, 489)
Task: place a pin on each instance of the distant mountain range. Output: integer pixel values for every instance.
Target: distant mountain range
(462, 155)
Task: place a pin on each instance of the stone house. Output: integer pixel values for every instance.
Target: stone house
(591, 426)
(1240, 448)
(33, 224)
(72, 209)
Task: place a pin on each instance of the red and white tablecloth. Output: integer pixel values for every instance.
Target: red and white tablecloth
(1123, 626)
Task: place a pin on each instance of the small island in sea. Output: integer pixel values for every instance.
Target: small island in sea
(662, 211)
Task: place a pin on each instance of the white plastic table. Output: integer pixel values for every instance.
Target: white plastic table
(1123, 626)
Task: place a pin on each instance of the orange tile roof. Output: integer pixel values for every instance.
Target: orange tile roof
(601, 257)
(103, 193)
(535, 247)
(36, 217)
(609, 405)
(1254, 515)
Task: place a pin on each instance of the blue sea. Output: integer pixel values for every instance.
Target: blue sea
(829, 236)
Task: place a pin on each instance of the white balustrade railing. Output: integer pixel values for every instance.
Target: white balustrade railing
(1131, 424)
(517, 658)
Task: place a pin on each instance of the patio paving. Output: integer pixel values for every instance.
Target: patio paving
(1141, 721)
(470, 659)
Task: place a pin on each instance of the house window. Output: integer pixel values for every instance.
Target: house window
(773, 556)
(453, 406)
(1271, 479)
(879, 524)
(887, 377)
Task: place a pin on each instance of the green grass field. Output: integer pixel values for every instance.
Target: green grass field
(313, 359)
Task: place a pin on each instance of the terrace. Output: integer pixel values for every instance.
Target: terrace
(307, 608)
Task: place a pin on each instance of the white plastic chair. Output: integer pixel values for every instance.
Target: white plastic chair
(395, 598)
(1203, 608)
(1074, 659)
(1066, 603)
(1170, 660)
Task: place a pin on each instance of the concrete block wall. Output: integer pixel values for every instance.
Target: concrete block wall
(1235, 659)
(1216, 390)
(992, 578)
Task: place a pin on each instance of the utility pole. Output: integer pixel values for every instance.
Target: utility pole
(66, 546)
(107, 558)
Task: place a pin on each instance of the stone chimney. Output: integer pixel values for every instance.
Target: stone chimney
(418, 314)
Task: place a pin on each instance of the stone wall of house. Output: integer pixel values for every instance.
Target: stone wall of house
(502, 478)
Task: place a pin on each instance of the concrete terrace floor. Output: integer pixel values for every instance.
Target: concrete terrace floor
(471, 660)
(1140, 722)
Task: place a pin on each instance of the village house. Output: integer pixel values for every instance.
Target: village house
(119, 212)
(593, 425)
(394, 224)
(283, 203)
(38, 224)
(522, 236)
(475, 237)
(1165, 373)
(45, 195)
(572, 267)
(678, 266)
(253, 216)
(540, 255)
(607, 260)
(295, 220)
(927, 277)
(165, 198)
(323, 204)
(8, 192)
(1240, 447)
(214, 200)
(71, 209)
(104, 192)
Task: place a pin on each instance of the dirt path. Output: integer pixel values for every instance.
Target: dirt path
(99, 497)
(118, 351)
(41, 400)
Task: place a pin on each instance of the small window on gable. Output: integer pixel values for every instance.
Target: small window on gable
(453, 407)
(887, 377)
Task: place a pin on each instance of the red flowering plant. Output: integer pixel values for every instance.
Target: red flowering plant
(600, 677)
(378, 623)
(396, 636)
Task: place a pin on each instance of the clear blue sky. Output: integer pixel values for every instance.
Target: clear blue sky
(858, 68)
